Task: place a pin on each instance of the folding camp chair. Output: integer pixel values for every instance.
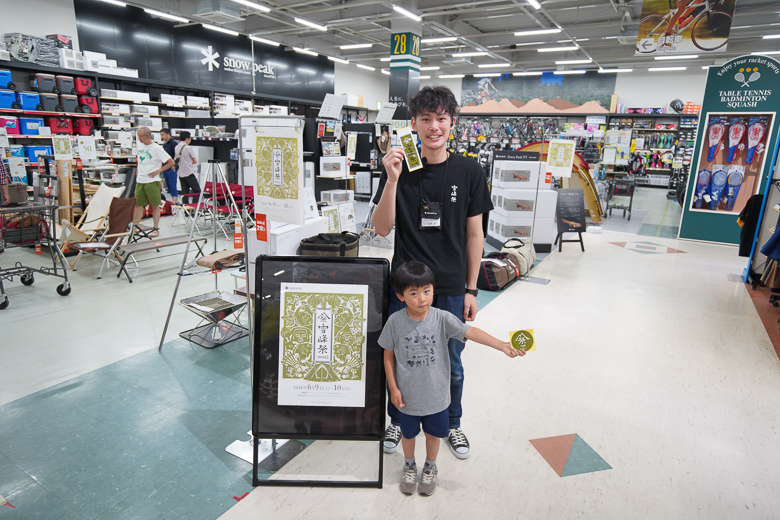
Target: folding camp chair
(119, 221)
(92, 221)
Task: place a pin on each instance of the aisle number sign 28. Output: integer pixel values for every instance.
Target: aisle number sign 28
(405, 43)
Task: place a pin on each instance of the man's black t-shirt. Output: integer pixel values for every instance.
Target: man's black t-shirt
(443, 250)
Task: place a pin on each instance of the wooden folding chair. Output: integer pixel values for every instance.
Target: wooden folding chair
(92, 221)
(119, 221)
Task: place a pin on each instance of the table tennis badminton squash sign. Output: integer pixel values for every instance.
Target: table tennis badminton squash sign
(571, 211)
(735, 144)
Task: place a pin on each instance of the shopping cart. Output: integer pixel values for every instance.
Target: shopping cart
(32, 226)
(623, 187)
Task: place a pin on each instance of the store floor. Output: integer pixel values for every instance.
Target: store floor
(649, 349)
(652, 214)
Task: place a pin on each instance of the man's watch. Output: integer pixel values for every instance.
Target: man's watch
(473, 292)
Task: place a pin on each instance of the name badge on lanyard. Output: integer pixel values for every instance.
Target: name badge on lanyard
(430, 215)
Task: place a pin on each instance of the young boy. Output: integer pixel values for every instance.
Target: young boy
(418, 368)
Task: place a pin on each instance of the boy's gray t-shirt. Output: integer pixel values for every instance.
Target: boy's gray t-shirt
(422, 361)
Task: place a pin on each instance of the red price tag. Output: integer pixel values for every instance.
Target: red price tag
(261, 227)
(548, 177)
(37, 249)
(78, 164)
(238, 237)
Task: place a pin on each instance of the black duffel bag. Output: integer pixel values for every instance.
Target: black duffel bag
(331, 244)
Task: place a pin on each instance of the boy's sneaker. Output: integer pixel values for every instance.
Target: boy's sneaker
(458, 443)
(392, 438)
(428, 480)
(409, 478)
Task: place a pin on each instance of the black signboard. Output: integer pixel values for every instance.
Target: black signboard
(571, 211)
(198, 57)
(319, 418)
(511, 155)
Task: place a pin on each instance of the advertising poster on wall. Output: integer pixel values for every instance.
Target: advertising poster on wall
(683, 27)
(737, 142)
(278, 182)
(322, 344)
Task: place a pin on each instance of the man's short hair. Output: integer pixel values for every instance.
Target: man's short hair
(184, 135)
(433, 99)
(166, 131)
(411, 275)
(144, 130)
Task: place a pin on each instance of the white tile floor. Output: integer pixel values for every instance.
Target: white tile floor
(658, 361)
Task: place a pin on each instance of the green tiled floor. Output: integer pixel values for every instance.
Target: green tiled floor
(141, 438)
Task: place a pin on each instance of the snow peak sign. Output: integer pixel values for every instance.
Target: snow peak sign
(745, 82)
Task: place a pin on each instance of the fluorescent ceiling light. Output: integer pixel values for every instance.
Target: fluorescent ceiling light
(527, 73)
(468, 54)
(430, 68)
(529, 43)
(537, 31)
(609, 38)
(263, 40)
(662, 69)
(450, 76)
(569, 72)
(116, 2)
(582, 39)
(705, 67)
(385, 72)
(332, 58)
(438, 40)
(357, 46)
(573, 62)
(166, 16)
(610, 71)
(425, 77)
(486, 75)
(384, 59)
(252, 5)
(678, 57)
(219, 29)
(305, 51)
(535, 4)
(365, 67)
(764, 53)
(492, 65)
(771, 36)
(558, 49)
(407, 13)
(311, 24)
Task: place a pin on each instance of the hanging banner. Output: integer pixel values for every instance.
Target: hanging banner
(87, 149)
(278, 183)
(701, 26)
(322, 345)
(560, 157)
(736, 143)
(62, 148)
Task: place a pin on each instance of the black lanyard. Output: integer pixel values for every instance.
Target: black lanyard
(444, 181)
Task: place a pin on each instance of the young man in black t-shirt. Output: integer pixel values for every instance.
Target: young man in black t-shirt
(450, 244)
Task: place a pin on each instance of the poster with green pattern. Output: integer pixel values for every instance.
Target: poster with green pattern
(278, 161)
(322, 344)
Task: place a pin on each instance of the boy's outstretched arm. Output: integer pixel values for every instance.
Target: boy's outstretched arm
(395, 393)
(480, 336)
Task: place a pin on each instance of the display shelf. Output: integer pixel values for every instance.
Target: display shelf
(45, 113)
(31, 136)
(659, 169)
(653, 129)
(215, 139)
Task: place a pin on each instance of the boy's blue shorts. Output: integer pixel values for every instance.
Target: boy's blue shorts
(436, 425)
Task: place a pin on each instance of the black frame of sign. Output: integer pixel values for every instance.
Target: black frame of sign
(272, 421)
(571, 205)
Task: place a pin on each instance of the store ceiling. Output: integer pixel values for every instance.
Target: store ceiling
(604, 30)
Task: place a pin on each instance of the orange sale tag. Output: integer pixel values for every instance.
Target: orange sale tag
(548, 178)
(238, 237)
(261, 227)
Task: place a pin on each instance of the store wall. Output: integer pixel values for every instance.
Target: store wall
(373, 86)
(657, 89)
(39, 18)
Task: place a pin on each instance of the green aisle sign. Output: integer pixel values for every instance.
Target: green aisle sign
(405, 44)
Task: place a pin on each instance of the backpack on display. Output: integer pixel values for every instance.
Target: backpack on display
(523, 254)
(496, 270)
